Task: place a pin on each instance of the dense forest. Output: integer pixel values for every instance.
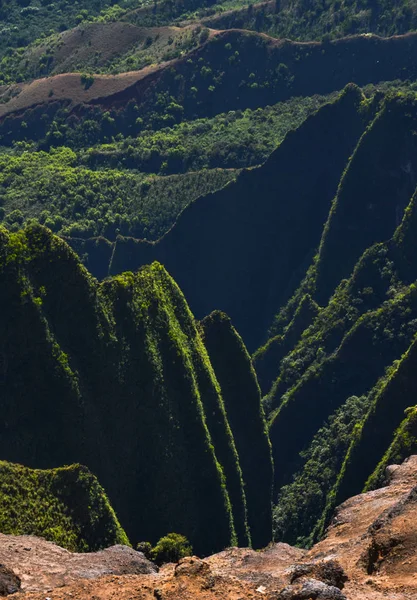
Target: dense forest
(208, 266)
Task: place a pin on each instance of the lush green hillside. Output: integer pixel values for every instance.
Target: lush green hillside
(66, 506)
(242, 400)
(178, 132)
(120, 380)
(351, 367)
(54, 189)
(354, 310)
(232, 270)
(112, 188)
(315, 20)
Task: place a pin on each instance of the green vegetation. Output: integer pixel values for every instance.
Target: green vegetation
(235, 161)
(24, 21)
(403, 445)
(111, 189)
(66, 506)
(315, 20)
(100, 47)
(73, 200)
(237, 139)
(134, 339)
(275, 350)
(208, 273)
(170, 548)
(348, 297)
(301, 503)
(242, 400)
(360, 343)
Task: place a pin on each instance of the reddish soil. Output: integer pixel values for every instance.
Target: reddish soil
(69, 86)
(369, 553)
(97, 44)
(384, 59)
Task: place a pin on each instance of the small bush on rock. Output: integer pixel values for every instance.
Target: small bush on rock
(171, 548)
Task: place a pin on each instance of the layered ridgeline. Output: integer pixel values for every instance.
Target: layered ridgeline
(243, 249)
(116, 376)
(330, 363)
(224, 103)
(349, 377)
(303, 20)
(231, 70)
(66, 506)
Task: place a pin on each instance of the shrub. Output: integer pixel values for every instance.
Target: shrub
(145, 548)
(171, 548)
(87, 80)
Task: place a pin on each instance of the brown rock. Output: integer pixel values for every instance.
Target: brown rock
(9, 582)
(327, 571)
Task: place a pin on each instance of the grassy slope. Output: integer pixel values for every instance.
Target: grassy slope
(112, 47)
(66, 506)
(25, 21)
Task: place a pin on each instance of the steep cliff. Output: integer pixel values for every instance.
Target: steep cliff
(120, 380)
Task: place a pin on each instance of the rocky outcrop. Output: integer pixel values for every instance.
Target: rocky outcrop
(9, 582)
(38, 566)
(369, 553)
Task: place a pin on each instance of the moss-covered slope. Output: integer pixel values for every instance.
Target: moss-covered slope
(337, 405)
(271, 354)
(116, 376)
(65, 505)
(242, 400)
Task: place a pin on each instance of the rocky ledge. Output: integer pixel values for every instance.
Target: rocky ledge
(369, 553)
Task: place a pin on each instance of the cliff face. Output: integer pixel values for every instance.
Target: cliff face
(244, 248)
(242, 399)
(334, 344)
(347, 381)
(120, 380)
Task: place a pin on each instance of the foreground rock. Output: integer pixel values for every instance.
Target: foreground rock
(9, 582)
(374, 538)
(369, 553)
(43, 566)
